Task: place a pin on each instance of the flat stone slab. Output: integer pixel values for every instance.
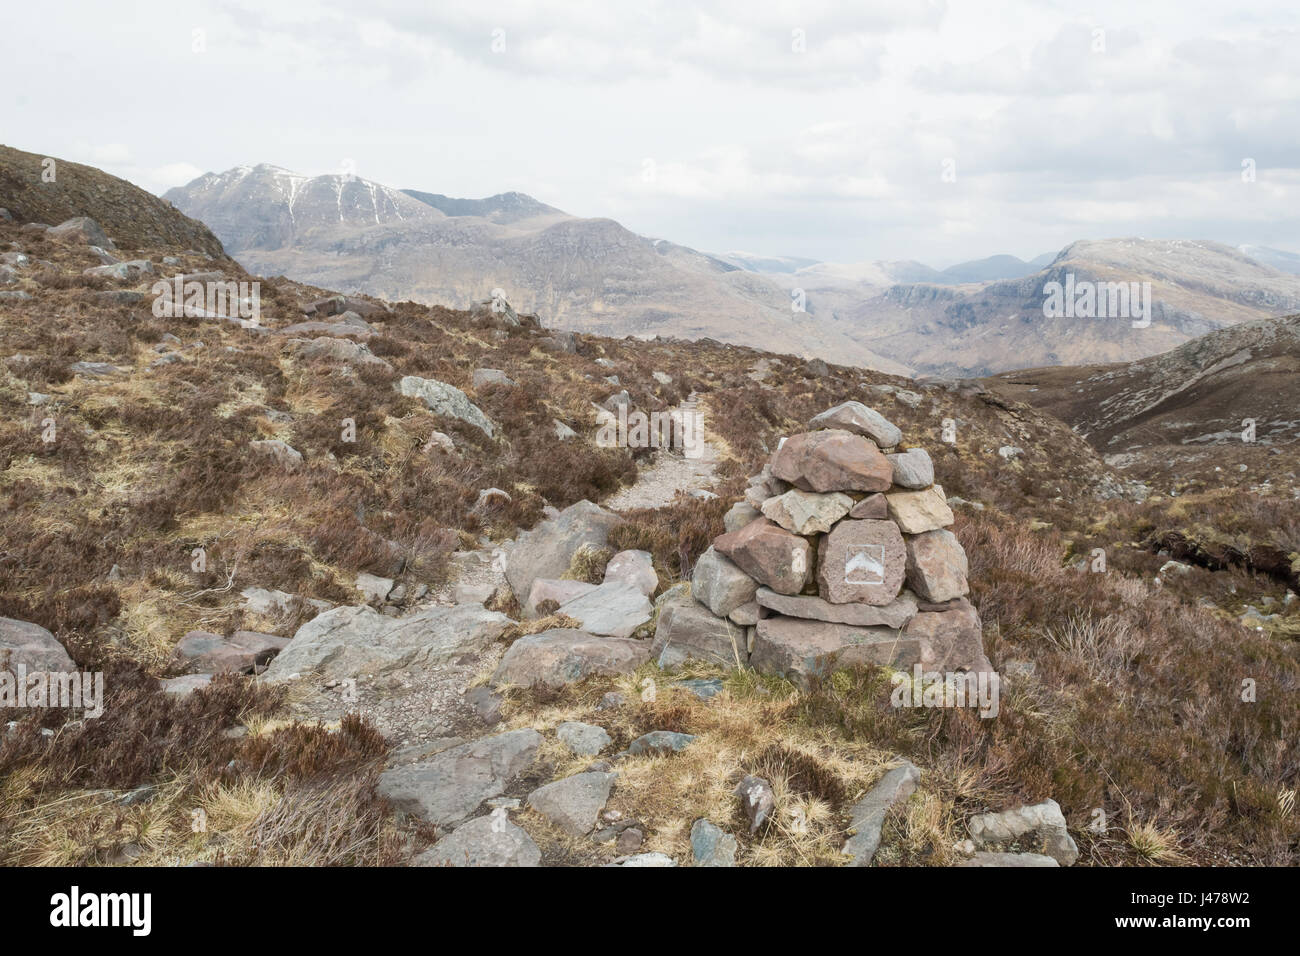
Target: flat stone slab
(861, 562)
(687, 630)
(894, 615)
(451, 786)
(614, 609)
(448, 400)
(985, 858)
(564, 655)
(484, 841)
(799, 650)
(349, 641)
(633, 567)
(867, 816)
(574, 803)
(551, 589)
(660, 742)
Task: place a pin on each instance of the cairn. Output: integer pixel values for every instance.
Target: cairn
(838, 555)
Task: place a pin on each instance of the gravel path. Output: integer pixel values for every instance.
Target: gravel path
(669, 472)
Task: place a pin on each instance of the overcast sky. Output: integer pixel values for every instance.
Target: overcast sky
(817, 129)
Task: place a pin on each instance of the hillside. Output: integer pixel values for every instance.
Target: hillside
(304, 554)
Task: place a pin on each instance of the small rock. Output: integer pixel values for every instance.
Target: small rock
(711, 846)
(583, 739)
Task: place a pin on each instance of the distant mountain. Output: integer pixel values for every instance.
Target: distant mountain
(990, 269)
(1278, 259)
(503, 208)
(590, 275)
(1196, 287)
(754, 263)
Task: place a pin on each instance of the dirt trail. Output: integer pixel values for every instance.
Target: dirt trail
(669, 471)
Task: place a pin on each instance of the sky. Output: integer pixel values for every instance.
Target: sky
(841, 131)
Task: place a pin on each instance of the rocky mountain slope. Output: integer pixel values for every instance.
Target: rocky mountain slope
(409, 504)
(589, 275)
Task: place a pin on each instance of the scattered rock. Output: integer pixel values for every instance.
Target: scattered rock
(484, 377)
(659, 743)
(710, 846)
(867, 816)
(282, 454)
(629, 840)
(444, 399)
(485, 704)
(451, 786)
(243, 652)
(584, 739)
(484, 841)
(348, 641)
(373, 587)
(80, 229)
(756, 799)
(1009, 859)
(547, 550)
(1041, 825)
(563, 655)
(574, 803)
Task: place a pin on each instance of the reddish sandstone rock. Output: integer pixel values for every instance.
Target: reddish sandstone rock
(861, 561)
(956, 637)
(873, 507)
(771, 556)
(832, 460)
(798, 649)
(936, 566)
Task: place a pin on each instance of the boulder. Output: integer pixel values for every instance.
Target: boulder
(719, 585)
(483, 377)
(339, 350)
(444, 399)
(80, 229)
(955, 637)
(633, 567)
(660, 743)
(769, 554)
(288, 458)
(561, 656)
(1041, 826)
(241, 653)
(757, 800)
(550, 589)
(688, 631)
(614, 609)
(449, 787)
(916, 512)
(874, 507)
(573, 803)
(861, 561)
(936, 566)
(807, 512)
(867, 816)
(373, 587)
(985, 858)
(547, 550)
(348, 324)
(739, 515)
(586, 740)
(834, 460)
(860, 420)
(348, 641)
(894, 615)
(799, 650)
(31, 646)
(483, 841)
(711, 846)
(912, 468)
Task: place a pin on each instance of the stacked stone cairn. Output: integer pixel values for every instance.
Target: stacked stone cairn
(840, 554)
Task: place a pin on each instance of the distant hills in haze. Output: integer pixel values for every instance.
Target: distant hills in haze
(594, 275)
